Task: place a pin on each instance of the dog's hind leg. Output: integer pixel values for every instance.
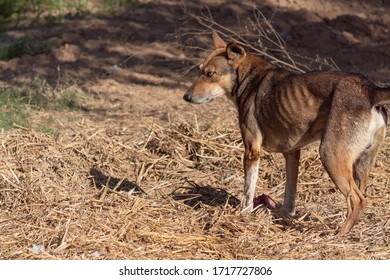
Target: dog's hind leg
(341, 145)
(340, 169)
(292, 165)
(350, 141)
(367, 159)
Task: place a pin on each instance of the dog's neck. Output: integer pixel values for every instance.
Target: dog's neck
(251, 68)
(252, 65)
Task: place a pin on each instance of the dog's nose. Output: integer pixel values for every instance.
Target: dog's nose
(187, 97)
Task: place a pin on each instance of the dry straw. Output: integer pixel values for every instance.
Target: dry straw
(171, 193)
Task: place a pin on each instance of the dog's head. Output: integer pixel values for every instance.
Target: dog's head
(218, 72)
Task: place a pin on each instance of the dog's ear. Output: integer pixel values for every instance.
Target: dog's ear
(219, 43)
(235, 52)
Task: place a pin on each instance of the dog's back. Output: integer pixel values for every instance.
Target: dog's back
(298, 105)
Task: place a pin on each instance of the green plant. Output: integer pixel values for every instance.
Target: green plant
(16, 49)
(39, 95)
(12, 109)
(51, 10)
(8, 8)
(115, 4)
(17, 105)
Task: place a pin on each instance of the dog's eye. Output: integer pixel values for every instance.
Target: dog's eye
(209, 74)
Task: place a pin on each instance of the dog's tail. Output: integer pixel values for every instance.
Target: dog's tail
(381, 96)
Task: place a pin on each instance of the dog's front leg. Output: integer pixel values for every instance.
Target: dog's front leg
(251, 170)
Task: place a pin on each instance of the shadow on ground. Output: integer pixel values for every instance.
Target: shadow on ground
(100, 181)
(195, 195)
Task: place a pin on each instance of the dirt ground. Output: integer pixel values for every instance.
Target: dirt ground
(138, 173)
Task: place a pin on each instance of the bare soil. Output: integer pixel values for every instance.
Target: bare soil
(137, 173)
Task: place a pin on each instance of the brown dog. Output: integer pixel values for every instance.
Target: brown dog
(282, 112)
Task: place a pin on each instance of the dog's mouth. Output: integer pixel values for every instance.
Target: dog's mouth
(197, 100)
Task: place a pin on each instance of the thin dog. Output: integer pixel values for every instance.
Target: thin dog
(282, 112)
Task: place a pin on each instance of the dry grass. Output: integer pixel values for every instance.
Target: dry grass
(170, 191)
(144, 176)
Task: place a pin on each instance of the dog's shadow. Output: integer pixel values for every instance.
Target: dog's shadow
(195, 195)
(100, 181)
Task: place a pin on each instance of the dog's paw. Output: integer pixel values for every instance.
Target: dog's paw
(288, 211)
